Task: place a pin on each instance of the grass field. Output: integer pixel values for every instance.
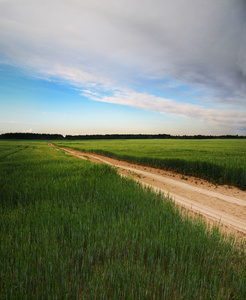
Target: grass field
(219, 161)
(75, 230)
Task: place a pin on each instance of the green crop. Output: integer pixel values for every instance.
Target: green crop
(75, 230)
(220, 161)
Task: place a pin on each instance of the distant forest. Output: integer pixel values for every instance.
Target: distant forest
(45, 136)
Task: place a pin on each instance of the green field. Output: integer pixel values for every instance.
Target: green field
(71, 229)
(219, 161)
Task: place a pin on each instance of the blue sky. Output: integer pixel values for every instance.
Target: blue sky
(98, 67)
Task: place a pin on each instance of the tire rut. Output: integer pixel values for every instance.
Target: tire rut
(226, 210)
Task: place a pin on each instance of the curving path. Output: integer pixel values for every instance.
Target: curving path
(223, 205)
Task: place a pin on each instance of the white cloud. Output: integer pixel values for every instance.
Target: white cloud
(27, 131)
(195, 41)
(103, 46)
(223, 118)
(77, 77)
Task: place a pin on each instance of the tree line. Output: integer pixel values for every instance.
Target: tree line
(47, 136)
(31, 136)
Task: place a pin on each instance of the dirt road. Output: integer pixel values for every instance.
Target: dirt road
(221, 204)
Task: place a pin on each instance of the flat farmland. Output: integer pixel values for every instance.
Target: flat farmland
(73, 229)
(219, 161)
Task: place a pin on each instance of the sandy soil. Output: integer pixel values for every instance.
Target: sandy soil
(222, 205)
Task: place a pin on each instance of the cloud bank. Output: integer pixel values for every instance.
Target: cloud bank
(114, 46)
(225, 118)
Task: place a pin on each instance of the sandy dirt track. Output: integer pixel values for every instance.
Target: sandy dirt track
(220, 204)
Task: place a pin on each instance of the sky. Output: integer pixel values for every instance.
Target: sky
(123, 66)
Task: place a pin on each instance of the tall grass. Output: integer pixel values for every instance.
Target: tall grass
(220, 161)
(76, 230)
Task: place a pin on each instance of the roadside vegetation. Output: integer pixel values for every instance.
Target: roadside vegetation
(218, 161)
(71, 229)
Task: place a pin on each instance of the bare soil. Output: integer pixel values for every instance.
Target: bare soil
(220, 204)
